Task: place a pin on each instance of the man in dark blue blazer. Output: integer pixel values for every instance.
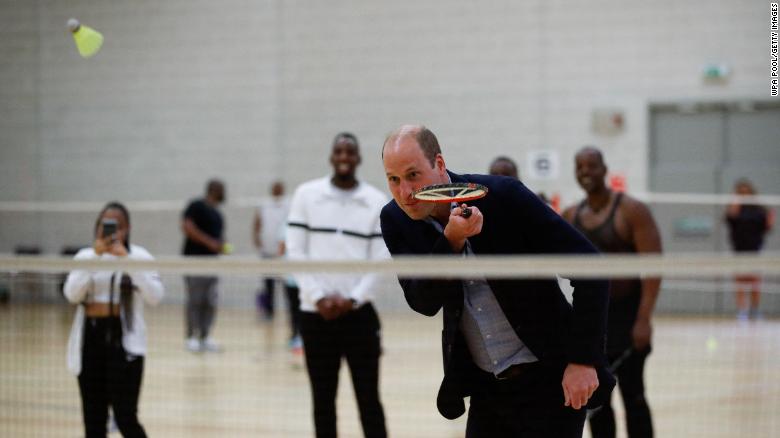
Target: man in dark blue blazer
(529, 360)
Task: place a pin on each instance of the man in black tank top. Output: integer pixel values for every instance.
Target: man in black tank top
(617, 223)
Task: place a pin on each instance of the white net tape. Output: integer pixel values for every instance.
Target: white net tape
(240, 202)
(603, 266)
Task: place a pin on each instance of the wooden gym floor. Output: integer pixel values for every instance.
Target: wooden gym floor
(707, 377)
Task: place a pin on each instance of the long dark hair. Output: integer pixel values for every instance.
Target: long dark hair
(126, 286)
(114, 205)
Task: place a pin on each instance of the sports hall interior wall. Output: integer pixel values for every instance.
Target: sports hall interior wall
(252, 92)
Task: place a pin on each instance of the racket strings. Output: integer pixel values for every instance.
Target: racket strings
(455, 192)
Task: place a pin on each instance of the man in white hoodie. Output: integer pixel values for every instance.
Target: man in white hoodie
(337, 218)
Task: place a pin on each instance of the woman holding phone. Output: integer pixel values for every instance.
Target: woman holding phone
(108, 339)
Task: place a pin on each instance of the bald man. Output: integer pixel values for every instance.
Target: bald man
(618, 223)
(529, 361)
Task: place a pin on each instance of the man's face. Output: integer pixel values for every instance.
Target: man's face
(277, 189)
(590, 171)
(218, 193)
(744, 189)
(407, 170)
(345, 158)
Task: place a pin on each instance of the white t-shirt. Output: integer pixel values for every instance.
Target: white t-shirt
(273, 217)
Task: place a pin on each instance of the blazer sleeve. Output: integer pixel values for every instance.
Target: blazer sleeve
(424, 295)
(546, 232)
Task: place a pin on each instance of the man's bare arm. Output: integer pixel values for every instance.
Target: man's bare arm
(647, 240)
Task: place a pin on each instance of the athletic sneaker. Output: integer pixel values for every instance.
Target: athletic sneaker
(296, 343)
(296, 353)
(210, 345)
(192, 345)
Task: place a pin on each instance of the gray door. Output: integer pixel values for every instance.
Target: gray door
(705, 148)
(687, 152)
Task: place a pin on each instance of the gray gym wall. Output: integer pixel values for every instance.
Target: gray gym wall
(252, 91)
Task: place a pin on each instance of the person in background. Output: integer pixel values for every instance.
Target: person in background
(107, 341)
(203, 229)
(504, 166)
(618, 223)
(337, 218)
(270, 217)
(748, 226)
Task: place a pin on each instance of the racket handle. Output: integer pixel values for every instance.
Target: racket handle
(466, 213)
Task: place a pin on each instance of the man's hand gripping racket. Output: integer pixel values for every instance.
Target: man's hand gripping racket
(463, 222)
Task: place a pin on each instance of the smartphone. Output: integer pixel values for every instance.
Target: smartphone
(109, 227)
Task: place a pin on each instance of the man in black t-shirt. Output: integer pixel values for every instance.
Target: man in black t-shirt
(203, 227)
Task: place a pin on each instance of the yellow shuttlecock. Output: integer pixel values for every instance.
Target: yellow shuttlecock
(88, 40)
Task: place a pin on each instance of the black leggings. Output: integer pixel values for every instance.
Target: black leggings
(630, 374)
(632, 389)
(109, 377)
(354, 336)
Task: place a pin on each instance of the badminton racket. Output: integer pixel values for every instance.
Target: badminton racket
(452, 192)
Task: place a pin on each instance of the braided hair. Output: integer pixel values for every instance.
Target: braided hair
(126, 286)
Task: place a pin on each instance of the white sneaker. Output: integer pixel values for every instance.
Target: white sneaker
(192, 345)
(210, 345)
(297, 360)
(296, 343)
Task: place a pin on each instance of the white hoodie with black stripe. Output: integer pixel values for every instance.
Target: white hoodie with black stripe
(329, 223)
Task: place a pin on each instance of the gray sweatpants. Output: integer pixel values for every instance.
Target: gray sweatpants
(201, 305)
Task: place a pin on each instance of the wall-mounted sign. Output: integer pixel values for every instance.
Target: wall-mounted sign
(543, 164)
(608, 121)
(694, 226)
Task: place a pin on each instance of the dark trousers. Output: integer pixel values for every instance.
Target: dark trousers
(630, 372)
(294, 304)
(201, 305)
(265, 297)
(630, 377)
(109, 377)
(356, 337)
(527, 405)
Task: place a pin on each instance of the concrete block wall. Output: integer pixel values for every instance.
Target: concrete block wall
(252, 91)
